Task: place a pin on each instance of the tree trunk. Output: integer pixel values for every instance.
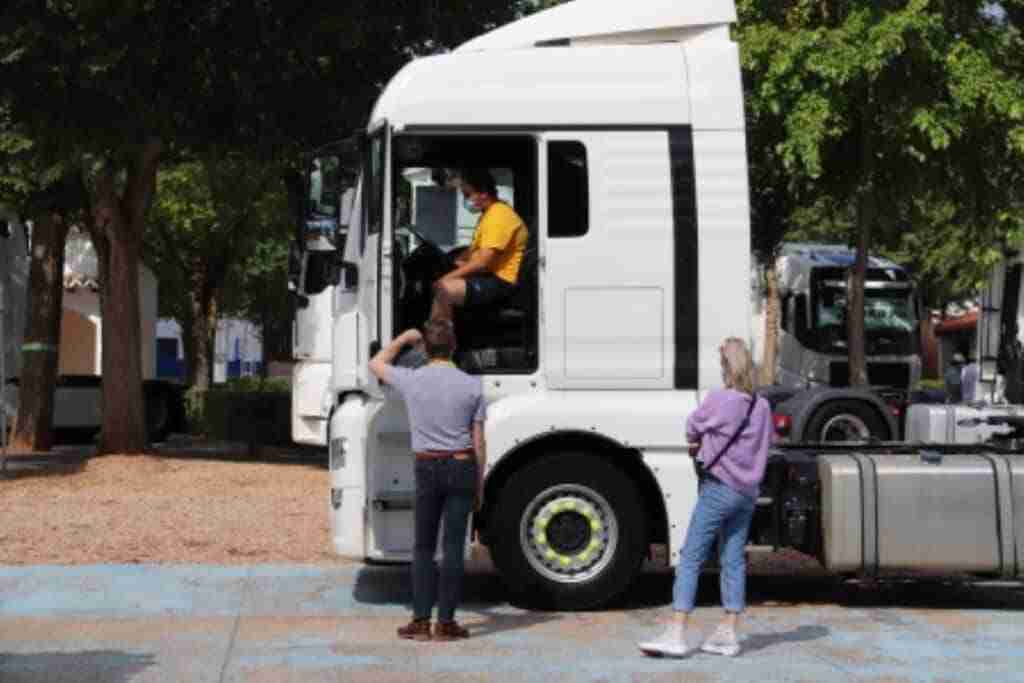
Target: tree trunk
(124, 417)
(117, 224)
(33, 427)
(198, 334)
(771, 326)
(866, 217)
(855, 310)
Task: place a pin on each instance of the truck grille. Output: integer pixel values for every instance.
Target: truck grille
(879, 374)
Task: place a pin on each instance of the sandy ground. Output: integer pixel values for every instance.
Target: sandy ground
(175, 507)
(191, 504)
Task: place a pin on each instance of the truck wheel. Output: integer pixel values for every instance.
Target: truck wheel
(570, 532)
(846, 421)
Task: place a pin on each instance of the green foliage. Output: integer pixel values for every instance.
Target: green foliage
(228, 410)
(255, 385)
(902, 118)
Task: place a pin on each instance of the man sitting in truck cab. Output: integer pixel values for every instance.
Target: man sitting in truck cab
(486, 274)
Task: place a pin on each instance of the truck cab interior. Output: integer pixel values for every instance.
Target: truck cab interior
(432, 227)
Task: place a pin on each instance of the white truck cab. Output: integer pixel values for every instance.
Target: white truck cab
(617, 132)
(812, 347)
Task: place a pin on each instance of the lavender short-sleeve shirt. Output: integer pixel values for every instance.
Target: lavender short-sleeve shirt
(443, 403)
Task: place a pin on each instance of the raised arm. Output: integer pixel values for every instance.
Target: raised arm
(380, 364)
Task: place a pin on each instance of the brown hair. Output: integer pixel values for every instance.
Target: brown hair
(481, 180)
(439, 338)
(737, 366)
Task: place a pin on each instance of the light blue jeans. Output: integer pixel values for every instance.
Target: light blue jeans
(725, 514)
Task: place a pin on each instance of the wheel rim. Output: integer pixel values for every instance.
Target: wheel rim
(569, 533)
(845, 427)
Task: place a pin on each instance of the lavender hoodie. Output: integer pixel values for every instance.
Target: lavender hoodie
(713, 424)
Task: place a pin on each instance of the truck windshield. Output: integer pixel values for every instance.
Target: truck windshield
(889, 319)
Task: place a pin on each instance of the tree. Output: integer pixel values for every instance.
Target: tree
(208, 218)
(891, 108)
(45, 192)
(143, 79)
(255, 293)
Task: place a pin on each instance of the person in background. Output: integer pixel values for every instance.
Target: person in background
(969, 380)
(951, 379)
(734, 436)
(446, 414)
(487, 273)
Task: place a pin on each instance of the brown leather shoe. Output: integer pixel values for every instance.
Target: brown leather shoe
(449, 630)
(417, 629)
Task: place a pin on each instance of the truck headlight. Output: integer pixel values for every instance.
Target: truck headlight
(339, 447)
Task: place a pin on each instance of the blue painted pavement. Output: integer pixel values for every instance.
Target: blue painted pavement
(308, 623)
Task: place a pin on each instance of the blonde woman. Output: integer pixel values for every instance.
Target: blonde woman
(734, 436)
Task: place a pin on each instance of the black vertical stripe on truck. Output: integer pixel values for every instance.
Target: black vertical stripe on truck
(684, 219)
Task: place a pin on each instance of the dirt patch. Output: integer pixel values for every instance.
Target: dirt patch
(170, 508)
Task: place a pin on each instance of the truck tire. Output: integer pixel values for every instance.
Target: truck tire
(846, 420)
(569, 532)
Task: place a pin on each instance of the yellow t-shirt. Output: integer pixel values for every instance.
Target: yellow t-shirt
(500, 228)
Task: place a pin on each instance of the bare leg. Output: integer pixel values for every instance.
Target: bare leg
(448, 293)
(440, 309)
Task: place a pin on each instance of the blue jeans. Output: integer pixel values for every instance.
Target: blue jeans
(725, 514)
(443, 487)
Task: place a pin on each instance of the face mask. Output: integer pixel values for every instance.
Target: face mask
(468, 203)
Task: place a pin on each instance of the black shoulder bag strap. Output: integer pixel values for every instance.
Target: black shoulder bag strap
(743, 425)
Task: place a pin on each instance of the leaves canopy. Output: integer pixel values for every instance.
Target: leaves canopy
(916, 105)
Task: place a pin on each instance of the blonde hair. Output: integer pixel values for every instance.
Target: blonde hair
(737, 366)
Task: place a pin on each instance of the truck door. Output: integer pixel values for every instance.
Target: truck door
(607, 256)
(389, 464)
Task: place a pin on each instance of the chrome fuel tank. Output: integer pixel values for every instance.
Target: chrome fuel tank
(932, 512)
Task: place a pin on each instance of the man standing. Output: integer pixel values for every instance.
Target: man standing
(488, 272)
(446, 413)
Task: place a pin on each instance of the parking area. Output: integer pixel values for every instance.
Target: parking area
(121, 623)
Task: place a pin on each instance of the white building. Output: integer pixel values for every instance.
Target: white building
(81, 341)
(238, 349)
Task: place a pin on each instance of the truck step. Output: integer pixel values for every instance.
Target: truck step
(394, 500)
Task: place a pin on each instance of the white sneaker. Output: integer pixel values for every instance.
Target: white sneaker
(722, 642)
(672, 643)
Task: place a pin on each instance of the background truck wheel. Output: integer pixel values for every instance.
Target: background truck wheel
(570, 532)
(846, 421)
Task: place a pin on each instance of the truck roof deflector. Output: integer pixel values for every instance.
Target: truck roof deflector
(605, 19)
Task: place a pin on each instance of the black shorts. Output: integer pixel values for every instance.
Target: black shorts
(485, 290)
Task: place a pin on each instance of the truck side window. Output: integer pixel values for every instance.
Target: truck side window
(568, 190)
(800, 326)
(373, 204)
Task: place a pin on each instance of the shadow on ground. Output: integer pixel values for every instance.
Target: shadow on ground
(655, 590)
(57, 463)
(109, 666)
(483, 595)
(235, 451)
(483, 592)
